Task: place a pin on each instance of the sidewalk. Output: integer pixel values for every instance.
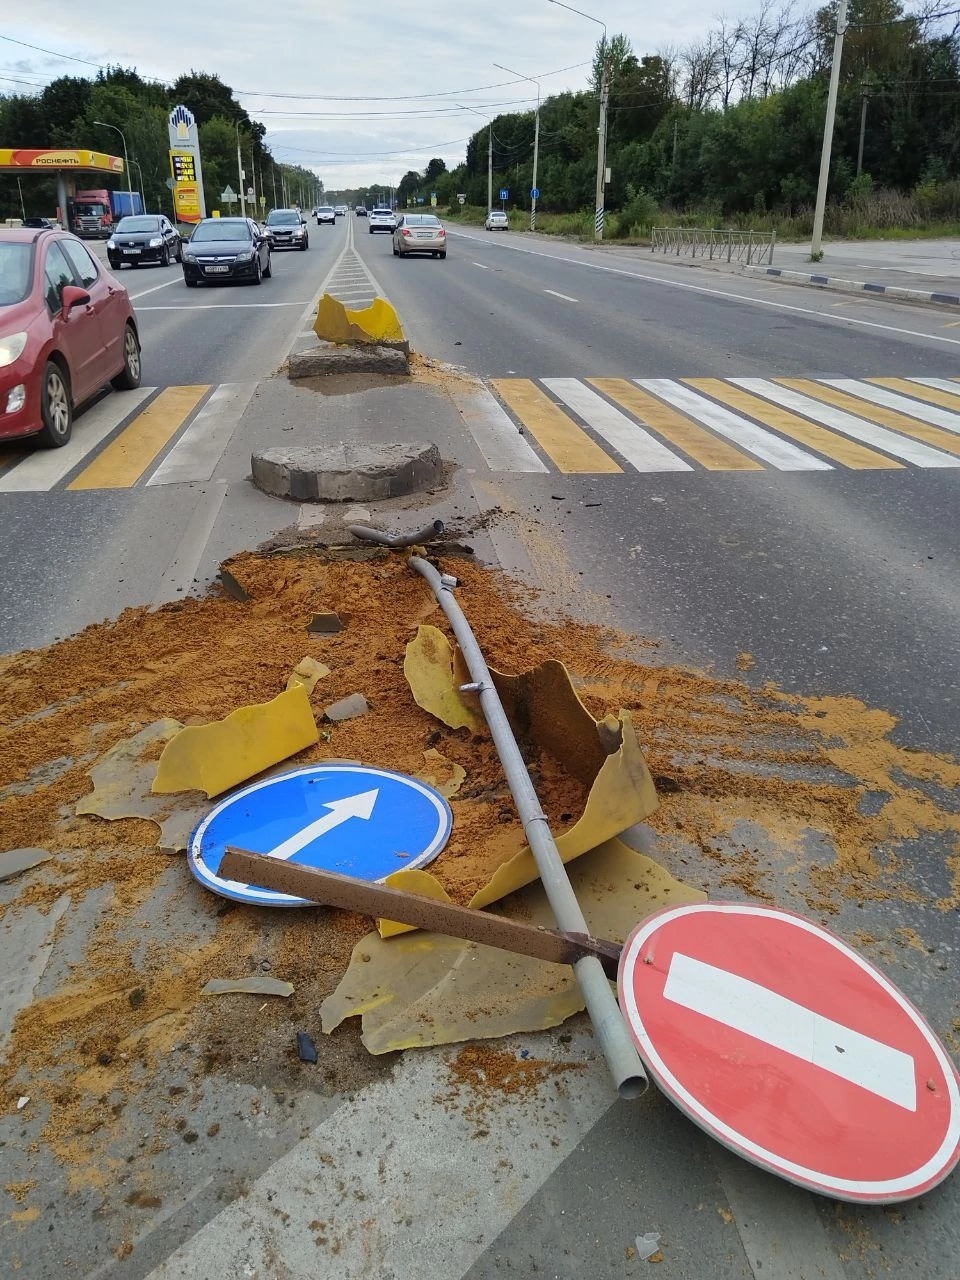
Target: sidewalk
(907, 270)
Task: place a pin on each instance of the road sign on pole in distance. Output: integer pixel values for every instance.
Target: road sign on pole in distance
(504, 193)
(791, 1049)
(535, 193)
(351, 819)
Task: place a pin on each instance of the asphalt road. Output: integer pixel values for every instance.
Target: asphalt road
(837, 572)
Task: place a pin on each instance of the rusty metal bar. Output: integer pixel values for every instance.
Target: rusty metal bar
(331, 890)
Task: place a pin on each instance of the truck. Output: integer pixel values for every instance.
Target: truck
(93, 214)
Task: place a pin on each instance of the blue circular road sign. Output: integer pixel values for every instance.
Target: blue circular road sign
(350, 819)
(535, 193)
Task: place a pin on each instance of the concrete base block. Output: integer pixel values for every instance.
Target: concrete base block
(348, 472)
(330, 359)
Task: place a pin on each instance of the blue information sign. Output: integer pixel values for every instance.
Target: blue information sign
(535, 193)
(504, 193)
(351, 819)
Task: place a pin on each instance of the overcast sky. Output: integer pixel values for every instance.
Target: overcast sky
(356, 91)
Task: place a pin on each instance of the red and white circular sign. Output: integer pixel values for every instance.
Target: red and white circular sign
(788, 1047)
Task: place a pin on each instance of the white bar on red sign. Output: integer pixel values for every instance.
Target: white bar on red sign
(756, 1011)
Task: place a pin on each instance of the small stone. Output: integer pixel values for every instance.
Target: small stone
(190, 1136)
(347, 708)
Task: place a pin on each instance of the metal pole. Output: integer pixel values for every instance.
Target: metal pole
(863, 129)
(817, 238)
(126, 162)
(602, 126)
(243, 201)
(619, 1050)
(489, 166)
(536, 140)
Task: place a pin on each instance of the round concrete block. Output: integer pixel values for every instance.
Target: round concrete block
(348, 472)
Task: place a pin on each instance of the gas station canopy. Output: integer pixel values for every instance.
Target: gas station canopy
(60, 160)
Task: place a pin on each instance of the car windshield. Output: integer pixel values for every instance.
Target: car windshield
(16, 272)
(421, 220)
(282, 218)
(138, 224)
(220, 229)
(325, 208)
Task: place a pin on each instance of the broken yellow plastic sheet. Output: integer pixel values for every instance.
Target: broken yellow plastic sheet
(427, 989)
(376, 323)
(122, 788)
(542, 705)
(215, 757)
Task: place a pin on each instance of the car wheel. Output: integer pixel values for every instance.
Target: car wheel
(306, 244)
(164, 257)
(115, 266)
(128, 379)
(396, 252)
(443, 253)
(268, 269)
(179, 250)
(258, 278)
(191, 284)
(56, 407)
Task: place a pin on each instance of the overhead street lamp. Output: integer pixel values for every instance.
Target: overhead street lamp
(536, 141)
(602, 127)
(143, 198)
(103, 125)
(243, 201)
(489, 153)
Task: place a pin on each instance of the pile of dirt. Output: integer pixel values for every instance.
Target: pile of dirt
(723, 755)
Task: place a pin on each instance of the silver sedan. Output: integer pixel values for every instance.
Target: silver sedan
(419, 233)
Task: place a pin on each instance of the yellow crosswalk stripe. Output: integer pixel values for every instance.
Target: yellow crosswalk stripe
(829, 443)
(906, 426)
(567, 444)
(130, 455)
(946, 399)
(696, 441)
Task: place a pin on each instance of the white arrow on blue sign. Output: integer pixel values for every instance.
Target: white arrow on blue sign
(504, 193)
(534, 193)
(351, 819)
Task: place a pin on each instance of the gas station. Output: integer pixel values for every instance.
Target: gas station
(63, 163)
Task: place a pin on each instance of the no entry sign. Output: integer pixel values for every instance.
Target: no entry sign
(788, 1047)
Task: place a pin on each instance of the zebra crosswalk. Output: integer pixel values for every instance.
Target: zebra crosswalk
(594, 426)
(602, 425)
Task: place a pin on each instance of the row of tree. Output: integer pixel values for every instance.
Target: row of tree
(65, 113)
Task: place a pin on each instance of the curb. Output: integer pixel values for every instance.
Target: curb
(347, 472)
(329, 358)
(895, 291)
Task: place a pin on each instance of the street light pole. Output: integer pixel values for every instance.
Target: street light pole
(103, 124)
(816, 251)
(536, 141)
(489, 152)
(243, 200)
(602, 126)
(143, 198)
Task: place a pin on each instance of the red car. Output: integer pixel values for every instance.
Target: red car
(66, 328)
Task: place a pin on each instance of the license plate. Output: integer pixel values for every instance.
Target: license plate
(132, 253)
(424, 235)
(216, 270)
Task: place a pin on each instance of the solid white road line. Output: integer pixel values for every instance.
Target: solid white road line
(921, 455)
(481, 266)
(375, 1180)
(496, 435)
(178, 577)
(743, 433)
(784, 1024)
(199, 449)
(553, 293)
(47, 467)
(902, 404)
(639, 448)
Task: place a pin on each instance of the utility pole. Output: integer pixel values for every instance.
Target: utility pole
(676, 130)
(536, 142)
(243, 199)
(489, 166)
(863, 129)
(816, 252)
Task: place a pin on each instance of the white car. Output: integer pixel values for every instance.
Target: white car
(382, 220)
(497, 220)
(325, 213)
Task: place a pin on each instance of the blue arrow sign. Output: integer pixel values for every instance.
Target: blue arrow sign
(351, 819)
(504, 193)
(535, 193)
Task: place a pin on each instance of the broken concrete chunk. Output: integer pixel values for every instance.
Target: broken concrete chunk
(214, 757)
(258, 984)
(231, 586)
(307, 672)
(347, 708)
(325, 624)
(16, 860)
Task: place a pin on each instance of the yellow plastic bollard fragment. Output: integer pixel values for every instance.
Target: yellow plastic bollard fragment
(376, 323)
(214, 757)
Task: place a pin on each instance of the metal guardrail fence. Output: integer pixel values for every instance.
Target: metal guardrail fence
(749, 247)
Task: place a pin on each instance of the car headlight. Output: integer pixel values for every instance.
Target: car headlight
(11, 348)
(156, 242)
(111, 243)
(246, 256)
(188, 256)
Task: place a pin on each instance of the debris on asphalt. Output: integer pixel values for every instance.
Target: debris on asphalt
(445, 776)
(325, 624)
(306, 1049)
(648, 1246)
(257, 984)
(231, 586)
(347, 708)
(16, 860)
(307, 672)
(215, 757)
(22, 1102)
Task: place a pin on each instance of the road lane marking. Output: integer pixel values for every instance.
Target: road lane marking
(936, 390)
(566, 298)
(496, 435)
(183, 570)
(901, 403)
(886, 418)
(222, 306)
(640, 449)
(481, 266)
(129, 456)
(155, 288)
(746, 435)
(766, 1015)
(839, 448)
(701, 445)
(41, 470)
(847, 424)
(200, 448)
(567, 444)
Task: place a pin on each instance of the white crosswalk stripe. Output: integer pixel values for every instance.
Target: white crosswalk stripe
(902, 404)
(195, 455)
(640, 449)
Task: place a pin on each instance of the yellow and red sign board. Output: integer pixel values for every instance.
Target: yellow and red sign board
(186, 199)
(62, 158)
